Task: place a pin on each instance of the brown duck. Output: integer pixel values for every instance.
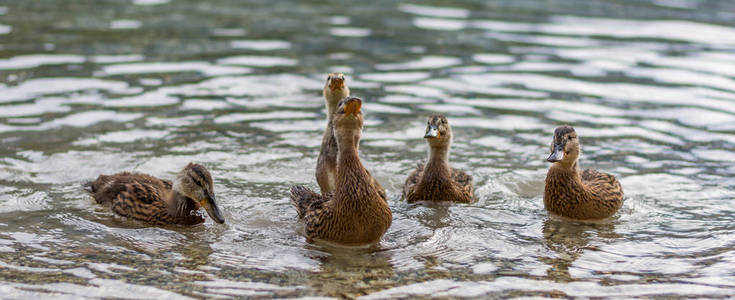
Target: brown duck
(149, 199)
(335, 89)
(436, 180)
(326, 167)
(573, 194)
(355, 214)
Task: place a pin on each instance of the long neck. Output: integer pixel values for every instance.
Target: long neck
(438, 164)
(329, 143)
(328, 138)
(439, 155)
(353, 181)
(347, 157)
(331, 108)
(331, 98)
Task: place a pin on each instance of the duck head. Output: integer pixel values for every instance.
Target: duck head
(195, 182)
(565, 147)
(335, 89)
(438, 133)
(348, 120)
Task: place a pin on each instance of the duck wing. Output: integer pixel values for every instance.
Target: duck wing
(106, 188)
(463, 181)
(315, 210)
(376, 184)
(305, 200)
(602, 184)
(413, 180)
(133, 195)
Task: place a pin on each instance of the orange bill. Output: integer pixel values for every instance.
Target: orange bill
(336, 83)
(353, 107)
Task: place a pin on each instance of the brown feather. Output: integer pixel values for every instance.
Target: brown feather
(357, 212)
(326, 165)
(141, 197)
(593, 195)
(335, 89)
(436, 180)
(422, 186)
(587, 195)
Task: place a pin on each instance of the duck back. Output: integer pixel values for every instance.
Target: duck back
(140, 197)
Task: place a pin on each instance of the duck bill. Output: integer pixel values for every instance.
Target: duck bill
(557, 154)
(432, 132)
(336, 83)
(353, 107)
(212, 210)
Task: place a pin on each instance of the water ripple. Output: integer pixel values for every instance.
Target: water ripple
(648, 87)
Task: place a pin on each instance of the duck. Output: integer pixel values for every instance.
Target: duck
(585, 195)
(335, 89)
(157, 201)
(437, 181)
(355, 213)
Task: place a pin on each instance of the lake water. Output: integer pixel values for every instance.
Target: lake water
(149, 85)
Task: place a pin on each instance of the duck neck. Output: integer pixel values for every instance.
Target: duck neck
(564, 174)
(331, 98)
(347, 157)
(180, 206)
(329, 143)
(438, 163)
(331, 108)
(352, 178)
(572, 166)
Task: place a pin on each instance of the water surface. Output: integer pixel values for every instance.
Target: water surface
(149, 85)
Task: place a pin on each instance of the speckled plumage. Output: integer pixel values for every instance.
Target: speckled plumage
(573, 194)
(436, 180)
(152, 200)
(355, 213)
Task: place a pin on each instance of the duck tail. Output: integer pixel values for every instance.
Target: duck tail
(302, 198)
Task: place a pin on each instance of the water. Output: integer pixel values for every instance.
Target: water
(149, 85)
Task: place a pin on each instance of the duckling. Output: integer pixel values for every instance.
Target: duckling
(355, 213)
(326, 167)
(146, 198)
(335, 89)
(569, 193)
(436, 180)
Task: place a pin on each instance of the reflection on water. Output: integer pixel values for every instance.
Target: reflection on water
(569, 239)
(149, 84)
(349, 273)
